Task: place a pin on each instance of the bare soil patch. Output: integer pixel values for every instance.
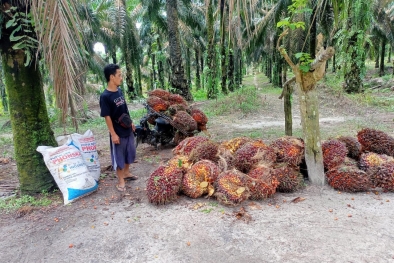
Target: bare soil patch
(315, 224)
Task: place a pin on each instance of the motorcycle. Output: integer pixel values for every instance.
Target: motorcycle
(163, 132)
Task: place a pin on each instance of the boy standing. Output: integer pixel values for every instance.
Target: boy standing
(113, 105)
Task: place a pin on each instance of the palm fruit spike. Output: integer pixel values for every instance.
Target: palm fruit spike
(176, 99)
(200, 118)
(334, 153)
(253, 153)
(184, 121)
(157, 103)
(261, 183)
(164, 184)
(352, 145)
(371, 160)
(206, 150)
(376, 141)
(226, 159)
(289, 177)
(187, 145)
(348, 178)
(383, 176)
(234, 144)
(199, 179)
(289, 150)
(231, 187)
(180, 161)
(162, 94)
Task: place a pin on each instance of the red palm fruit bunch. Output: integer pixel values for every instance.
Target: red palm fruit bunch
(200, 118)
(180, 161)
(162, 94)
(289, 150)
(234, 144)
(253, 153)
(164, 184)
(174, 108)
(206, 150)
(350, 162)
(261, 183)
(352, 145)
(231, 187)
(371, 160)
(289, 177)
(376, 141)
(383, 176)
(157, 103)
(184, 121)
(176, 99)
(199, 179)
(334, 153)
(187, 145)
(226, 159)
(348, 178)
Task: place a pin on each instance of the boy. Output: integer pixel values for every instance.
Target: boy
(113, 105)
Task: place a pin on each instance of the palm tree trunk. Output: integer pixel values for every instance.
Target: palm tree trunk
(178, 81)
(29, 120)
(212, 91)
(160, 69)
(223, 56)
(198, 80)
(188, 68)
(154, 70)
(382, 52)
(202, 68)
(230, 74)
(3, 94)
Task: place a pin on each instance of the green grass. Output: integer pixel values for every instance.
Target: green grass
(16, 202)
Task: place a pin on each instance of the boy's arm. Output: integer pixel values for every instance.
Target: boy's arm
(114, 136)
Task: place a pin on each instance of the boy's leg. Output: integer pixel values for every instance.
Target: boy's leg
(120, 173)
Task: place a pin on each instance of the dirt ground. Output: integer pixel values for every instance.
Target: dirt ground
(315, 224)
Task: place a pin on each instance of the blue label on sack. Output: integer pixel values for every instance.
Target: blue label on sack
(75, 193)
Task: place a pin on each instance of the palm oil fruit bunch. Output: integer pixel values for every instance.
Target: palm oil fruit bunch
(200, 118)
(334, 153)
(184, 121)
(348, 178)
(376, 141)
(231, 187)
(157, 103)
(289, 177)
(187, 145)
(180, 161)
(176, 99)
(261, 183)
(199, 179)
(383, 176)
(206, 150)
(226, 159)
(162, 94)
(352, 145)
(372, 160)
(173, 109)
(234, 144)
(253, 153)
(289, 150)
(164, 184)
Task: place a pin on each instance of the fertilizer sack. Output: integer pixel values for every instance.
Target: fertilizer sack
(86, 144)
(69, 170)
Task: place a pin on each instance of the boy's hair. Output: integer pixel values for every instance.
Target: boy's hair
(109, 70)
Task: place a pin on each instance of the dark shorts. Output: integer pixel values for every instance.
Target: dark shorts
(123, 153)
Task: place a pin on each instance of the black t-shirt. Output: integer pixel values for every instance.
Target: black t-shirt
(113, 104)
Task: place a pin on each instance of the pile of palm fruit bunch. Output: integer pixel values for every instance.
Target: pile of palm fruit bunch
(174, 106)
(361, 163)
(232, 171)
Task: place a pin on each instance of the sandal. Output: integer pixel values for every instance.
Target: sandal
(131, 177)
(120, 188)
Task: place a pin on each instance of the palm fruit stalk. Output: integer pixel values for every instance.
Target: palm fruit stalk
(200, 118)
(164, 184)
(348, 178)
(352, 145)
(371, 160)
(162, 94)
(334, 153)
(253, 153)
(289, 177)
(383, 176)
(376, 141)
(289, 150)
(187, 145)
(157, 103)
(206, 150)
(261, 182)
(226, 159)
(231, 187)
(200, 178)
(184, 121)
(234, 144)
